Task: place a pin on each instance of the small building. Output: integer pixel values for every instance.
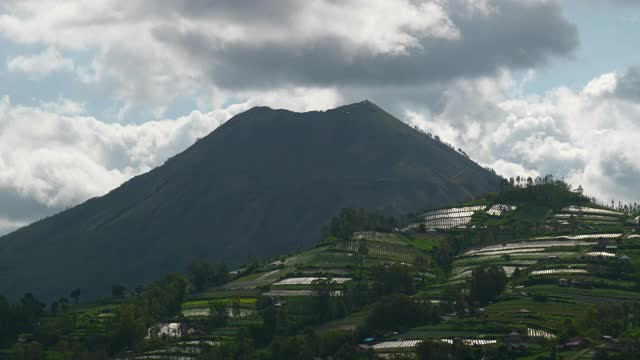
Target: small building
(563, 282)
(612, 344)
(520, 349)
(512, 338)
(625, 258)
(576, 282)
(576, 343)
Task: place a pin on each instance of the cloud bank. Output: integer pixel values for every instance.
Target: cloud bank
(149, 51)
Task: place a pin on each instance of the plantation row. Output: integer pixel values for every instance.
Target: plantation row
(401, 344)
(531, 245)
(580, 237)
(559, 271)
(535, 333)
(588, 217)
(309, 280)
(497, 210)
(449, 216)
(507, 252)
(294, 293)
(582, 209)
(447, 223)
(409, 344)
(377, 248)
(471, 209)
(600, 253)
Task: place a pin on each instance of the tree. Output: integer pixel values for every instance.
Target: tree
(127, 328)
(396, 279)
(203, 274)
(53, 309)
(235, 307)
(321, 301)
(75, 295)
(487, 284)
(363, 251)
(400, 312)
(117, 291)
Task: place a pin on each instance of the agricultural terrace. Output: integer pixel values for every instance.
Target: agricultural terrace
(498, 209)
(503, 281)
(590, 210)
(309, 281)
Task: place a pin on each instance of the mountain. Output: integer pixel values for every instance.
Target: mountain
(263, 183)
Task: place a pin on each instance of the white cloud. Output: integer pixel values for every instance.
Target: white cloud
(7, 225)
(60, 160)
(602, 85)
(150, 52)
(38, 65)
(588, 136)
(63, 106)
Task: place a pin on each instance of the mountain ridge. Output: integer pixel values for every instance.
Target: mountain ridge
(261, 184)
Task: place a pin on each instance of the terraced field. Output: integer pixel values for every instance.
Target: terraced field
(557, 276)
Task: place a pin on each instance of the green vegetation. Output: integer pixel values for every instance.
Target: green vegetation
(510, 286)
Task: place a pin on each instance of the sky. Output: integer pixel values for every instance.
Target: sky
(93, 93)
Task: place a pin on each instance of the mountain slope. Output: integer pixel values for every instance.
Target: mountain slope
(262, 184)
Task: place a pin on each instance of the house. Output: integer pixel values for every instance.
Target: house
(512, 338)
(520, 349)
(576, 343)
(563, 282)
(612, 344)
(575, 282)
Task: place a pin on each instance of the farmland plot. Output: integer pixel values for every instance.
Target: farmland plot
(600, 254)
(589, 210)
(294, 293)
(507, 252)
(471, 209)
(536, 333)
(449, 216)
(377, 248)
(581, 237)
(587, 217)
(498, 209)
(558, 272)
(447, 223)
(396, 345)
(530, 245)
(309, 281)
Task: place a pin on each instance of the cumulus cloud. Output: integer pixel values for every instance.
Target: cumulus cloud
(44, 63)
(49, 160)
(63, 106)
(628, 84)
(587, 136)
(149, 52)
